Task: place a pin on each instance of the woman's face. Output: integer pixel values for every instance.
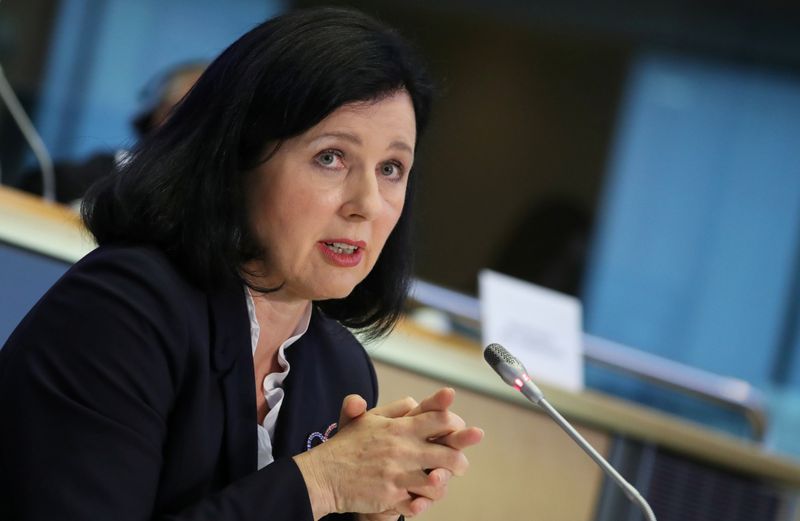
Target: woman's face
(324, 204)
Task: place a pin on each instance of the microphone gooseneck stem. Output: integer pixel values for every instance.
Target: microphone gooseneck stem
(626, 487)
(512, 372)
(31, 136)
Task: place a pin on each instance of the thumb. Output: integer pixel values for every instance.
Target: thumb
(353, 406)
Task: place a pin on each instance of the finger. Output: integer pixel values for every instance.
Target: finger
(396, 409)
(439, 401)
(435, 487)
(407, 508)
(353, 406)
(433, 456)
(450, 459)
(423, 488)
(462, 439)
(435, 424)
(412, 505)
(442, 475)
(418, 505)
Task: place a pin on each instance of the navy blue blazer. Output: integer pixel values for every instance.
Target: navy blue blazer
(128, 394)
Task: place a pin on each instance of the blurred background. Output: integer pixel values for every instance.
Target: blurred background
(641, 155)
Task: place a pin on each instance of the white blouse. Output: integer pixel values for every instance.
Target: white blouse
(273, 382)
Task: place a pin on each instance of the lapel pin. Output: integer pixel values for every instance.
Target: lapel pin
(321, 437)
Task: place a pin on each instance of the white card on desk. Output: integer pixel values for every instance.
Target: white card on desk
(539, 326)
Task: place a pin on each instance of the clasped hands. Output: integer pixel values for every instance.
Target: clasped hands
(391, 460)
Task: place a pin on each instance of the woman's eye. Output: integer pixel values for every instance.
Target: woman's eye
(329, 158)
(391, 170)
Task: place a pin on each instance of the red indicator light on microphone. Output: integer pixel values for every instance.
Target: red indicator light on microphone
(517, 383)
(526, 377)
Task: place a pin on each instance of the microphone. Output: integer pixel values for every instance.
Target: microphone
(514, 374)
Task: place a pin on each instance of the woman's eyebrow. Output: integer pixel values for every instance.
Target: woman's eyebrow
(402, 145)
(353, 138)
(347, 136)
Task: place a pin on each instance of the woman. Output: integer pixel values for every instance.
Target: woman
(194, 365)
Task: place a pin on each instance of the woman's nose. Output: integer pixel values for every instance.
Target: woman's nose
(362, 200)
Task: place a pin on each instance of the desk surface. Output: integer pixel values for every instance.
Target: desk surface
(48, 228)
(56, 231)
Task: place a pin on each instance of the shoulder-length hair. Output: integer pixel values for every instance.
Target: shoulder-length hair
(183, 188)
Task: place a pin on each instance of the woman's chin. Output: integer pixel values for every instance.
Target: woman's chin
(336, 292)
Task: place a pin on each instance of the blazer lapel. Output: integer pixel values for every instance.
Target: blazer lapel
(312, 398)
(232, 361)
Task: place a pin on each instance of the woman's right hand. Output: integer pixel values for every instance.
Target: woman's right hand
(377, 461)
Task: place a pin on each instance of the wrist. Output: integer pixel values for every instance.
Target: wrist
(319, 493)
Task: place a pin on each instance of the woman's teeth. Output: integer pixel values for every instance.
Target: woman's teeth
(340, 247)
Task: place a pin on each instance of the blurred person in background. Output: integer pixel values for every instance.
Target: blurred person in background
(159, 96)
(196, 364)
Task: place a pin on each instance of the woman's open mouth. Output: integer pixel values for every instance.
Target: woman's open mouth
(341, 247)
(342, 253)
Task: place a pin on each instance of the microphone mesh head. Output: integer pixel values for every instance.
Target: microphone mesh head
(495, 353)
